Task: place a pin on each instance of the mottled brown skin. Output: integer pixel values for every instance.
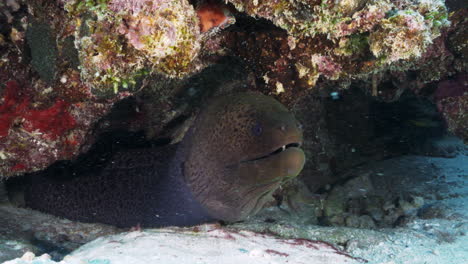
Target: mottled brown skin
(240, 149)
(231, 142)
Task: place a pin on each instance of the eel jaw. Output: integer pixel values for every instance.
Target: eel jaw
(256, 179)
(276, 151)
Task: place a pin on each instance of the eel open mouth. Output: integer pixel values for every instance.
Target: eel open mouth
(277, 151)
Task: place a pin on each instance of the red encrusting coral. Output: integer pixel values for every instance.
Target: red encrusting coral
(19, 167)
(51, 122)
(13, 106)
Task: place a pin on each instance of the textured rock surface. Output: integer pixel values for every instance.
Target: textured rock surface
(24, 230)
(46, 111)
(342, 41)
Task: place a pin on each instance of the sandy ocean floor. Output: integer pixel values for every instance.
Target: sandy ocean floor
(432, 241)
(440, 239)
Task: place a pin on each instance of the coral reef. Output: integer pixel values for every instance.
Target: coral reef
(452, 101)
(213, 15)
(328, 43)
(33, 134)
(384, 47)
(102, 51)
(65, 63)
(46, 111)
(121, 41)
(50, 122)
(397, 30)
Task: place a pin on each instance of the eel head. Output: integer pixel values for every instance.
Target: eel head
(241, 148)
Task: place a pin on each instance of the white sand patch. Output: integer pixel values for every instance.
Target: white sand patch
(205, 244)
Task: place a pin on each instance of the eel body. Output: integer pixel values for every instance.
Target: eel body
(239, 150)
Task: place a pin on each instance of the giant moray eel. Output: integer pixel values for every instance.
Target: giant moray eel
(241, 148)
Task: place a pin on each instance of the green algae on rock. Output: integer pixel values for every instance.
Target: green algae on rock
(121, 41)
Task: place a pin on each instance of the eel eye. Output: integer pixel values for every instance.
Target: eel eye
(257, 129)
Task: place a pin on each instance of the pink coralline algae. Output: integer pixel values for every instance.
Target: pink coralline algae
(326, 66)
(363, 20)
(403, 36)
(136, 6)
